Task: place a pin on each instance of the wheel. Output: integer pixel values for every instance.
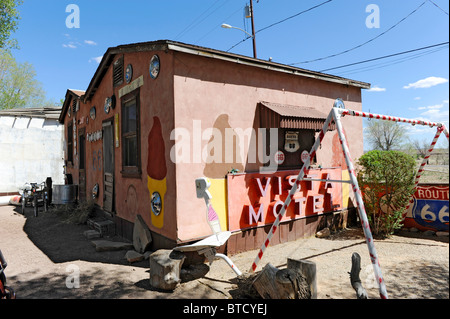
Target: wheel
(24, 201)
(35, 206)
(44, 195)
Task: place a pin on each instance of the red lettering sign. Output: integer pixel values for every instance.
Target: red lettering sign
(256, 199)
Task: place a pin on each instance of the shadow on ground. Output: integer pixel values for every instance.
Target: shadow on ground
(64, 242)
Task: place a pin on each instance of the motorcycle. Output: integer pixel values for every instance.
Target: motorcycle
(5, 291)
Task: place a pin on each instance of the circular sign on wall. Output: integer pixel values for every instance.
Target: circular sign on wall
(154, 67)
(305, 155)
(279, 157)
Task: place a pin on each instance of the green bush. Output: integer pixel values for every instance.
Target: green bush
(386, 179)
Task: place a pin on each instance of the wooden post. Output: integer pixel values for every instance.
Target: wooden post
(274, 283)
(165, 267)
(308, 270)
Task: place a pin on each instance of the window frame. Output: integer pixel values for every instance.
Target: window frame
(131, 171)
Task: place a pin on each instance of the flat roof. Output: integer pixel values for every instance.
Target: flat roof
(209, 53)
(49, 113)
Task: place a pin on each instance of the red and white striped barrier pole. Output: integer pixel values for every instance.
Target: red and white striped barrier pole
(389, 118)
(359, 200)
(292, 192)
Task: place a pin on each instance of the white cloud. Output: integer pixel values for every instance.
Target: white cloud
(417, 98)
(96, 59)
(426, 83)
(90, 42)
(376, 89)
(70, 45)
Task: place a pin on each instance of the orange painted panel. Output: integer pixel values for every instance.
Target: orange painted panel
(255, 199)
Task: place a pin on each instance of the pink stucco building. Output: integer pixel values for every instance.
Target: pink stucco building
(158, 115)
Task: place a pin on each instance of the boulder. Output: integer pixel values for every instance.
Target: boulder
(142, 237)
(133, 256)
(323, 233)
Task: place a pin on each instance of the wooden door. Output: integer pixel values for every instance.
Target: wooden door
(108, 166)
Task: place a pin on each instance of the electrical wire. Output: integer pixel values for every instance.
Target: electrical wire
(367, 42)
(276, 23)
(196, 22)
(439, 7)
(390, 63)
(386, 56)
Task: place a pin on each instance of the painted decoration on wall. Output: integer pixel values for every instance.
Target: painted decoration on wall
(279, 157)
(94, 136)
(156, 173)
(154, 67)
(95, 191)
(113, 101)
(107, 106)
(92, 113)
(129, 73)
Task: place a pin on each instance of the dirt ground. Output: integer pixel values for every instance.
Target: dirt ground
(44, 254)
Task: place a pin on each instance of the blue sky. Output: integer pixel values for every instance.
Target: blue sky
(413, 85)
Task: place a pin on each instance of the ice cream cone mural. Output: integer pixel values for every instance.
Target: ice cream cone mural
(156, 173)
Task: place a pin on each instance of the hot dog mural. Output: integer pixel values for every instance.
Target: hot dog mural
(156, 173)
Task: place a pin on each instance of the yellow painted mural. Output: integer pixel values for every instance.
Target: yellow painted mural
(157, 189)
(218, 192)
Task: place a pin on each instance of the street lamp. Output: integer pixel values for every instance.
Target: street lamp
(227, 26)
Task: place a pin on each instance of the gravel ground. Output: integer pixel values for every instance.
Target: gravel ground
(43, 253)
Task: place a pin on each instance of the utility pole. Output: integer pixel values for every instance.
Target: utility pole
(253, 29)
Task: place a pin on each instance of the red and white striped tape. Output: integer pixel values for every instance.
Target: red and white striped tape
(361, 208)
(388, 118)
(293, 190)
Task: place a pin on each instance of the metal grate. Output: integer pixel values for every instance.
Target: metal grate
(118, 72)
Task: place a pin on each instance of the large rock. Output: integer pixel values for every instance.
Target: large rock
(142, 238)
(133, 256)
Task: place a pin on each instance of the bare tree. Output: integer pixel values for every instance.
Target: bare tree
(421, 146)
(384, 135)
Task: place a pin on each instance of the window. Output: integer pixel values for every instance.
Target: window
(70, 142)
(131, 163)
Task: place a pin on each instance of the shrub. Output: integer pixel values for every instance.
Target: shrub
(386, 179)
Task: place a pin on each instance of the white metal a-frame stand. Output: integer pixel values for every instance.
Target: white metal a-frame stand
(336, 113)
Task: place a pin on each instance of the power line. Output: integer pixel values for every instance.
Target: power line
(276, 23)
(439, 7)
(386, 56)
(390, 63)
(195, 23)
(362, 44)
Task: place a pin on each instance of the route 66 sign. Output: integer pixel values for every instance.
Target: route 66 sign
(291, 143)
